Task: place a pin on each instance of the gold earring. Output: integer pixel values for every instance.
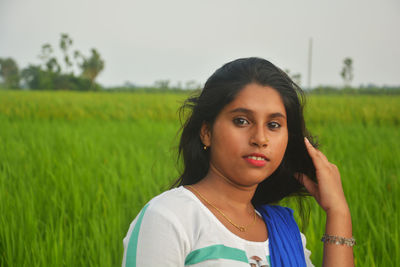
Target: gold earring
(205, 147)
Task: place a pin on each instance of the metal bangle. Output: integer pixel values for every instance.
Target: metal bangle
(338, 240)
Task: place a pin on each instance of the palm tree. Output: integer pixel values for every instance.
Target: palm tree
(92, 66)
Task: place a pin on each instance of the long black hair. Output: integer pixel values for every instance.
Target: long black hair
(219, 90)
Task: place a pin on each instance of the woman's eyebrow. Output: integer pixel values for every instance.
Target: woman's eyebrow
(248, 111)
(277, 115)
(242, 110)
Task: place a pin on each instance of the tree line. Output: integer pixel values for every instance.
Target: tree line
(50, 74)
(55, 74)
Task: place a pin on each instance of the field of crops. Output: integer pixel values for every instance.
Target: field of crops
(75, 169)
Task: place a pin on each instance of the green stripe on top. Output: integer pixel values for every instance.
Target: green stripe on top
(216, 252)
(133, 241)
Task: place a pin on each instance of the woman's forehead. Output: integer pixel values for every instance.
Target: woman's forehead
(255, 98)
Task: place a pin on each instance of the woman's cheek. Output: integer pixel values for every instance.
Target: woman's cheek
(281, 147)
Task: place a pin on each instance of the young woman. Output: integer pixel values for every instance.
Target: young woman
(244, 147)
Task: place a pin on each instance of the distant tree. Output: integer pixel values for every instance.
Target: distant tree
(53, 66)
(9, 73)
(46, 52)
(49, 61)
(35, 78)
(78, 57)
(29, 76)
(347, 71)
(296, 77)
(129, 85)
(191, 85)
(91, 66)
(49, 74)
(65, 44)
(162, 84)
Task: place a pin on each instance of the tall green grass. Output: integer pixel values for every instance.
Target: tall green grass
(75, 169)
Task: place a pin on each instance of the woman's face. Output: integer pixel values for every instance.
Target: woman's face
(249, 136)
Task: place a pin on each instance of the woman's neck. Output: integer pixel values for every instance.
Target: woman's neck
(225, 193)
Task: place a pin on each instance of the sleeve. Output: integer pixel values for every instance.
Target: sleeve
(307, 253)
(155, 238)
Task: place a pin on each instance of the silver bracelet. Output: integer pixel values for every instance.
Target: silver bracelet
(338, 240)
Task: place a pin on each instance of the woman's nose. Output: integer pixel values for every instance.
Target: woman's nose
(259, 138)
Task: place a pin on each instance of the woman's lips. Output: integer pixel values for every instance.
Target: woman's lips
(256, 159)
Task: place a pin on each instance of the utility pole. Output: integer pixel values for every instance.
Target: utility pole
(309, 64)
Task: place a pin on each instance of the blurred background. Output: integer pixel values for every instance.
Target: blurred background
(179, 41)
(89, 93)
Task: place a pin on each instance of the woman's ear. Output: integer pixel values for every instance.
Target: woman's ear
(205, 134)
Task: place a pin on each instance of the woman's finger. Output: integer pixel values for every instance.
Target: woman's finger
(309, 184)
(318, 158)
(322, 155)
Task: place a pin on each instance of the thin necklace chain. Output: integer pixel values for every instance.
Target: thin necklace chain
(240, 228)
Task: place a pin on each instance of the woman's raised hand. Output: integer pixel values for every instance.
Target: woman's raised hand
(328, 192)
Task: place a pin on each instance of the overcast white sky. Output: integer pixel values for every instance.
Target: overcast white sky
(147, 40)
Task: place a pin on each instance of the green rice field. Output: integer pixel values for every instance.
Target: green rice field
(76, 168)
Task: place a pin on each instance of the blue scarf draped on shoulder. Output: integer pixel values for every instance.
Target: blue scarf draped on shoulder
(286, 248)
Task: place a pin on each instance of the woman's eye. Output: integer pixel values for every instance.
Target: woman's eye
(240, 121)
(274, 125)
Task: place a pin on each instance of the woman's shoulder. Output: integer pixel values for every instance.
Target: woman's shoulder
(166, 208)
(174, 202)
(170, 198)
(159, 229)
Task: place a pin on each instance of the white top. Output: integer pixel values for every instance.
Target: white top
(176, 229)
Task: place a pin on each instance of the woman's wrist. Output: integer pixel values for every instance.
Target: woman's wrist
(338, 209)
(338, 222)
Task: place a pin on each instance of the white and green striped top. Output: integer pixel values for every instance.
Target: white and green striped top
(176, 229)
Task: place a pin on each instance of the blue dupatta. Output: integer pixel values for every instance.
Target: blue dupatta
(286, 248)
